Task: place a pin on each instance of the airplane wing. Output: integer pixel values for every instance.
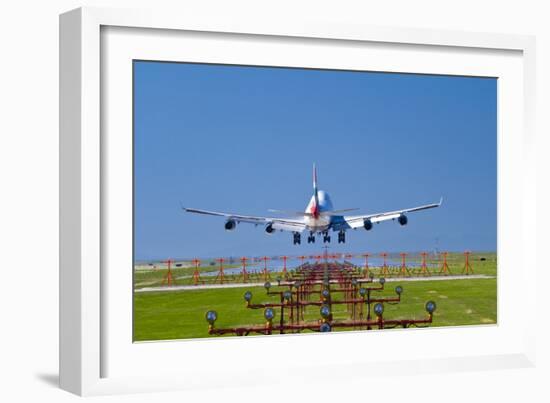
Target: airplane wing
(284, 224)
(358, 220)
(306, 214)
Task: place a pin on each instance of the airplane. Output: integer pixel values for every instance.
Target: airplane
(319, 218)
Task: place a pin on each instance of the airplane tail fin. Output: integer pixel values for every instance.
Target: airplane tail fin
(315, 191)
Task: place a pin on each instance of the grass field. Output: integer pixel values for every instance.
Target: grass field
(145, 276)
(180, 314)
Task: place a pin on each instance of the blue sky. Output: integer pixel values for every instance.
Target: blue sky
(243, 139)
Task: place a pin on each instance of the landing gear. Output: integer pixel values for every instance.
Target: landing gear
(326, 237)
(311, 238)
(297, 238)
(342, 237)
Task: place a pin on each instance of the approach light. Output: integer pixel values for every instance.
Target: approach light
(269, 314)
(325, 327)
(211, 317)
(362, 291)
(430, 307)
(325, 293)
(382, 280)
(279, 279)
(354, 282)
(247, 296)
(297, 284)
(378, 309)
(325, 311)
(267, 285)
(398, 290)
(287, 295)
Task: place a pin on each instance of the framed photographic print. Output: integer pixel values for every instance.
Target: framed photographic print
(232, 189)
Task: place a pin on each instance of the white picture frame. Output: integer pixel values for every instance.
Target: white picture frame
(94, 361)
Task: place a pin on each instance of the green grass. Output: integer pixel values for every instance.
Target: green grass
(180, 314)
(147, 277)
(455, 262)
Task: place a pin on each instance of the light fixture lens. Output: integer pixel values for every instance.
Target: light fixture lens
(267, 285)
(325, 311)
(431, 306)
(211, 317)
(379, 309)
(287, 295)
(382, 280)
(362, 291)
(269, 313)
(398, 290)
(247, 296)
(325, 327)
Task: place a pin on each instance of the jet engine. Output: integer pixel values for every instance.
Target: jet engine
(367, 224)
(269, 228)
(230, 225)
(403, 220)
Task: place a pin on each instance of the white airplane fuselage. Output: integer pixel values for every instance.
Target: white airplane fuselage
(313, 219)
